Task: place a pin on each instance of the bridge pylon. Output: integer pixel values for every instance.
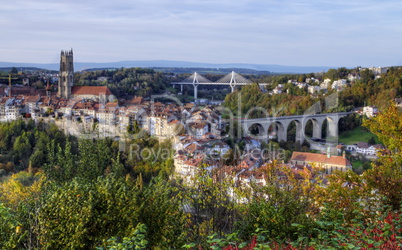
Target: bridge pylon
(233, 79)
(195, 79)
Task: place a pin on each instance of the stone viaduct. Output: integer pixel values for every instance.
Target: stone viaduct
(283, 122)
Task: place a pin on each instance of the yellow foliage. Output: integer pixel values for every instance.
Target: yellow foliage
(21, 186)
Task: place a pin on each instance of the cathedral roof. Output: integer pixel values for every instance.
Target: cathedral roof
(90, 90)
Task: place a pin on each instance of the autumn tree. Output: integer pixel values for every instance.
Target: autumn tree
(386, 175)
(81, 214)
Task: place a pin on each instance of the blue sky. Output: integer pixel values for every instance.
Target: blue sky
(300, 33)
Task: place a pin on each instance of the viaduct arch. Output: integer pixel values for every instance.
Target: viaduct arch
(283, 122)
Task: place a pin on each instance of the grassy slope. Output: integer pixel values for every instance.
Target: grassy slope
(356, 135)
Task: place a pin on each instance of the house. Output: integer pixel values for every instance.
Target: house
(278, 89)
(186, 168)
(135, 101)
(313, 89)
(398, 102)
(327, 162)
(339, 84)
(31, 103)
(325, 84)
(370, 111)
(193, 148)
(174, 127)
(251, 144)
(250, 162)
(107, 113)
(366, 149)
(178, 164)
(3, 101)
(219, 148)
(301, 85)
(378, 70)
(351, 148)
(158, 124)
(197, 129)
(353, 77)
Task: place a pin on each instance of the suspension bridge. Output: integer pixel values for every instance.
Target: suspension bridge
(232, 79)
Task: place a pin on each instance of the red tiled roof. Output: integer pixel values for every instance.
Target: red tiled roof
(189, 105)
(173, 122)
(90, 90)
(31, 98)
(181, 157)
(319, 158)
(197, 125)
(193, 162)
(137, 100)
(193, 147)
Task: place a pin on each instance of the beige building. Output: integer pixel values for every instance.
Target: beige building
(101, 94)
(328, 162)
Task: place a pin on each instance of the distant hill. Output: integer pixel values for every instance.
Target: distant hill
(24, 69)
(175, 64)
(180, 70)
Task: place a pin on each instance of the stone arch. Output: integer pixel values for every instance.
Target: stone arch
(262, 130)
(257, 131)
(299, 130)
(315, 125)
(278, 128)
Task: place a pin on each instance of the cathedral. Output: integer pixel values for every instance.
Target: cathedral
(67, 90)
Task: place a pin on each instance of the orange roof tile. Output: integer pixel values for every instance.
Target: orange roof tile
(320, 158)
(90, 90)
(137, 100)
(173, 122)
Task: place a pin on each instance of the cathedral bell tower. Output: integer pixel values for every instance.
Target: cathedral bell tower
(66, 75)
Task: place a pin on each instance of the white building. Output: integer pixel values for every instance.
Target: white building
(313, 89)
(339, 84)
(366, 149)
(370, 111)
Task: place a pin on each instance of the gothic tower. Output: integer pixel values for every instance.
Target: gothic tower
(66, 75)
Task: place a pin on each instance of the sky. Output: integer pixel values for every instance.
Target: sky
(345, 33)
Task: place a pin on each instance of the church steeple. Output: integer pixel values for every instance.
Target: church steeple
(48, 88)
(66, 75)
(9, 85)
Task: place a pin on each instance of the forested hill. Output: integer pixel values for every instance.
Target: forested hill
(295, 101)
(281, 104)
(126, 81)
(376, 92)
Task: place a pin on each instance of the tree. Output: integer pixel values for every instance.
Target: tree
(8, 228)
(14, 70)
(386, 176)
(82, 215)
(137, 240)
(19, 187)
(161, 211)
(282, 201)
